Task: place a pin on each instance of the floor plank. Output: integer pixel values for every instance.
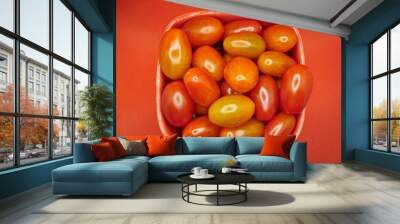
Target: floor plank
(376, 189)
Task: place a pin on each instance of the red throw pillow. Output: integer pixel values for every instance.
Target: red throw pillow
(161, 145)
(277, 145)
(116, 145)
(103, 152)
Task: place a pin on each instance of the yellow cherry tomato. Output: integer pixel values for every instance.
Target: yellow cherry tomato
(247, 44)
(175, 53)
(252, 128)
(231, 111)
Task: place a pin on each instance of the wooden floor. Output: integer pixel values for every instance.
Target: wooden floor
(377, 188)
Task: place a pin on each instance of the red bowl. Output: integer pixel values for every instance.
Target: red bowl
(297, 53)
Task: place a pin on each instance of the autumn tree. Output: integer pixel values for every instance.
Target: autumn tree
(33, 131)
(379, 128)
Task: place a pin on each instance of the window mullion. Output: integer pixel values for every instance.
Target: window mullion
(50, 79)
(73, 82)
(16, 70)
(389, 100)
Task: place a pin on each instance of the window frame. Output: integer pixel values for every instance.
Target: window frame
(388, 74)
(16, 115)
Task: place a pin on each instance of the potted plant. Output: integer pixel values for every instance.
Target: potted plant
(96, 102)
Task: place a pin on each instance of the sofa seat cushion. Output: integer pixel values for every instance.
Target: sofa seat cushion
(112, 171)
(257, 163)
(185, 163)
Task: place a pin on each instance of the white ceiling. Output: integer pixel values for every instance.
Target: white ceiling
(320, 9)
(327, 16)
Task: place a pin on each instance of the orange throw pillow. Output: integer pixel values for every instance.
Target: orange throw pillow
(277, 145)
(116, 145)
(103, 152)
(161, 145)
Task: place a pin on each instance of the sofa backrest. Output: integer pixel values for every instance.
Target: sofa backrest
(83, 152)
(205, 145)
(249, 145)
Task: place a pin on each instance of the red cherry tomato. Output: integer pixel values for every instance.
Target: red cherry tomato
(266, 97)
(209, 59)
(296, 86)
(201, 110)
(175, 54)
(274, 63)
(204, 30)
(227, 90)
(203, 89)
(280, 38)
(281, 124)
(244, 25)
(176, 104)
(201, 127)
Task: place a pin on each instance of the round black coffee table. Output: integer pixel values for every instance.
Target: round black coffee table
(238, 179)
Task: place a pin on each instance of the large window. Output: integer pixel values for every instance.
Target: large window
(44, 65)
(385, 91)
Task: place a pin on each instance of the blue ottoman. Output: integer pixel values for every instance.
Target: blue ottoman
(119, 177)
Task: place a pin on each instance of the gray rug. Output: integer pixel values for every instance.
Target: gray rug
(166, 198)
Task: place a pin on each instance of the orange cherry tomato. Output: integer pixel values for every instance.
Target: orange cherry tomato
(241, 74)
(201, 127)
(296, 87)
(176, 104)
(227, 90)
(231, 111)
(245, 25)
(280, 38)
(201, 110)
(203, 89)
(175, 53)
(281, 124)
(266, 97)
(209, 59)
(204, 30)
(274, 63)
(228, 58)
(251, 128)
(246, 44)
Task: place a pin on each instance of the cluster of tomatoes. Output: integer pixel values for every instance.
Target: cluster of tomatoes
(234, 79)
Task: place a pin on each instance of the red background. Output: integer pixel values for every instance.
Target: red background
(140, 25)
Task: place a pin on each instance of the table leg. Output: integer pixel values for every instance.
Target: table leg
(245, 193)
(217, 194)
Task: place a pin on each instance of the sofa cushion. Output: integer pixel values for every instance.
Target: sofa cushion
(249, 145)
(103, 152)
(112, 171)
(161, 145)
(205, 145)
(257, 163)
(83, 152)
(116, 145)
(185, 163)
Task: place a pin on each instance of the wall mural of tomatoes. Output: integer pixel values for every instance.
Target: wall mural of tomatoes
(223, 75)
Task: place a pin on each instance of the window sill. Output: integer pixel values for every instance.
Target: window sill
(26, 167)
(390, 161)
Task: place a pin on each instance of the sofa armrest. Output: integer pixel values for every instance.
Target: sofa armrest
(83, 152)
(298, 155)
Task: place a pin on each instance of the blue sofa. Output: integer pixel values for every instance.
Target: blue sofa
(125, 176)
